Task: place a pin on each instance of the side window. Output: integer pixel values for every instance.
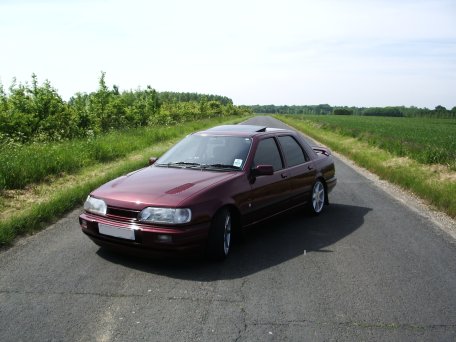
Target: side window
(294, 155)
(267, 153)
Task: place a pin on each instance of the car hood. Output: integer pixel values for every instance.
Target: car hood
(158, 186)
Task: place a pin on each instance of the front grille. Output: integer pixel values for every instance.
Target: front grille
(130, 215)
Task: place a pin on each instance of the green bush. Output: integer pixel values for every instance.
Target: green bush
(36, 113)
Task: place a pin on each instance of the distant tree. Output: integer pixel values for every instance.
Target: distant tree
(440, 109)
(55, 121)
(3, 99)
(324, 109)
(37, 112)
(85, 120)
(98, 105)
(115, 90)
(214, 108)
(19, 121)
(385, 111)
(342, 111)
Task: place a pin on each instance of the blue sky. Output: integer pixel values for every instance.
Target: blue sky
(354, 52)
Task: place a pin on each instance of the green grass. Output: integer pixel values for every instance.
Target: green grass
(426, 140)
(26, 164)
(435, 183)
(34, 208)
(36, 217)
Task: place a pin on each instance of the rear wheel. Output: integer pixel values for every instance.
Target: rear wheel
(317, 200)
(219, 242)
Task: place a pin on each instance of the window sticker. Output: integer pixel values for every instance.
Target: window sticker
(237, 162)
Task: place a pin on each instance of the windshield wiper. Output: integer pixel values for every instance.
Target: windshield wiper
(180, 164)
(221, 166)
(198, 165)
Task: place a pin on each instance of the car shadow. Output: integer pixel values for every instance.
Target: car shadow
(263, 246)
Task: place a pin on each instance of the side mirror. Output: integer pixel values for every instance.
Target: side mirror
(263, 170)
(152, 160)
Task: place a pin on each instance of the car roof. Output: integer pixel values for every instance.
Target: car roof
(237, 128)
(245, 130)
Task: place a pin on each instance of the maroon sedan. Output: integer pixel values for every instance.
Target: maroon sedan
(209, 186)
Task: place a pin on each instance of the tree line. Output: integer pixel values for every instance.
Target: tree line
(324, 109)
(36, 112)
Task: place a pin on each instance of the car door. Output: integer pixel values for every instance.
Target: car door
(269, 194)
(300, 172)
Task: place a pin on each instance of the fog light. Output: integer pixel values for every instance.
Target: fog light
(164, 238)
(84, 224)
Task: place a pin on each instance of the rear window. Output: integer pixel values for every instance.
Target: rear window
(294, 155)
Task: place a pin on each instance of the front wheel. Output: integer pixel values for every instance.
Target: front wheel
(219, 242)
(317, 200)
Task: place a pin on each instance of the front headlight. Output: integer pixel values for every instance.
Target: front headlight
(165, 215)
(95, 205)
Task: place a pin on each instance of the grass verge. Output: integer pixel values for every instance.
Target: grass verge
(25, 164)
(434, 183)
(33, 208)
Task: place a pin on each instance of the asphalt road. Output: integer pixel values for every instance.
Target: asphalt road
(368, 268)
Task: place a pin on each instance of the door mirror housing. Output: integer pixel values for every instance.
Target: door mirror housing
(263, 170)
(152, 160)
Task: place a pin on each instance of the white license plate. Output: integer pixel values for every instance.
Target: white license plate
(123, 233)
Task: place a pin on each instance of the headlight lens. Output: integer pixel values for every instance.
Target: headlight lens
(95, 205)
(165, 215)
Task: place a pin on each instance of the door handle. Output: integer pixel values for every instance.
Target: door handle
(284, 175)
(309, 167)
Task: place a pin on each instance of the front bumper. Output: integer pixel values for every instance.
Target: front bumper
(147, 240)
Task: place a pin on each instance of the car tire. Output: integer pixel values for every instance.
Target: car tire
(317, 198)
(220, 235)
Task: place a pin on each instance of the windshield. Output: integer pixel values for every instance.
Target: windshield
(208, 152)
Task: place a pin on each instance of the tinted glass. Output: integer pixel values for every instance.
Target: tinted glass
(294, 154)
(267, 153)
(207, 150)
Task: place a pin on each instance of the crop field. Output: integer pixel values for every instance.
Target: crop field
(428, 141)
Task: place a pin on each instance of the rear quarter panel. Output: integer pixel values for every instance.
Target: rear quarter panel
(325, 166)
